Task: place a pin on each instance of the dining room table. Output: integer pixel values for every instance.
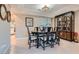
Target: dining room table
(41, 34)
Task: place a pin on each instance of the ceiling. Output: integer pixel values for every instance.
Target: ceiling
(34, 9)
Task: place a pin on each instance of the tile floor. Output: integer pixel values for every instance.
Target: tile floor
(66, 47)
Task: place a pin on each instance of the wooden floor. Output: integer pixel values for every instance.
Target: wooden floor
(21, 47)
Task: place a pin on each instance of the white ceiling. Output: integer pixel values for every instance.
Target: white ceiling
(33, 9)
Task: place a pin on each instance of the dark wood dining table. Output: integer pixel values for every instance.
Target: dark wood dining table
(41, 34)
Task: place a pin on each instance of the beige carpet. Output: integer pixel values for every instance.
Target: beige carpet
(66, 47)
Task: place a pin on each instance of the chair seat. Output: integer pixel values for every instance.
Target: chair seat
(43, 38)
(33, 37)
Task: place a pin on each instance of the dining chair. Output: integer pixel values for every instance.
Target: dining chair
(46, 38)
(57, 39)
(52, 37)
(31, 38)
(43, 41)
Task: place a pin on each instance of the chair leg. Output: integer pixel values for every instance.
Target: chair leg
(52, 43)
(29, 44)
(43, 45)
(58, 41)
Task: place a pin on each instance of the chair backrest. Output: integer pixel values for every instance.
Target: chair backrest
(42, 29)
(28, 31)
(49, 29)
(36, 29)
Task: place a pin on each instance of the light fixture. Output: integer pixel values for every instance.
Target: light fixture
(45, 8)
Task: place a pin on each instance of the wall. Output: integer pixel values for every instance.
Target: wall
(77, 23)
(21, 30)
(4, 36)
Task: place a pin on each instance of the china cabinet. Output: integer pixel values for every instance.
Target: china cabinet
(65, 25)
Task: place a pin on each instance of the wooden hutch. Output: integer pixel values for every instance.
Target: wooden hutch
(65, 25)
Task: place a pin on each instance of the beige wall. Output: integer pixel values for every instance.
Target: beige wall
(77, 23)
(21, 30)
(4, 36)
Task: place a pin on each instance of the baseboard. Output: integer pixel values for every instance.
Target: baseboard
(25, 38)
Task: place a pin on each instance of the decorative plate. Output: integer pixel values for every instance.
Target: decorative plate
(3, 12)
(8, 16)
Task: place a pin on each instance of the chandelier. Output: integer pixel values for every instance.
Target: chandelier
(45, 8)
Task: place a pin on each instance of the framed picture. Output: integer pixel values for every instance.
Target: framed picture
(29, 21)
